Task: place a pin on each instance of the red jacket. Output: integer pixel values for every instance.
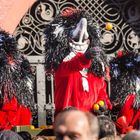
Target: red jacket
(69, 89)
(13, 114)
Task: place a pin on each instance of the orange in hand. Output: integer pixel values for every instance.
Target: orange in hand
(101, 103)
(96, 107)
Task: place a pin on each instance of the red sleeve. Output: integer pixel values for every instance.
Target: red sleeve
(103, 94)
(77, 63)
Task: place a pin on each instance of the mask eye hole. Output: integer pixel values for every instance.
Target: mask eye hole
(76, 39)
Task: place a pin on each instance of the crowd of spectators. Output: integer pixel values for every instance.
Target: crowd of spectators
(72, 124)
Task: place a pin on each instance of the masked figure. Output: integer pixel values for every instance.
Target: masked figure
(74, 54)
(16, 85)
(125, 91)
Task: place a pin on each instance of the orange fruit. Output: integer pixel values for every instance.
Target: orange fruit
(101, 103)
(130, 128)
(43, 127)
(96, 107)
(108, 26)
(32, 127)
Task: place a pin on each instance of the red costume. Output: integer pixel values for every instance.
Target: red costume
(14, 114)
(74, 53)
(69, 89)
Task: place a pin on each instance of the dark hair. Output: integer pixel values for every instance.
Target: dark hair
(25, 135)
(112, 138)
(9, 135)
(134, 135)
(43, 137)
(106, 126)
(69, 108)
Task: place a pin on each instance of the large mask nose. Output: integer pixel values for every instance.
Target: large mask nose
(80, 34)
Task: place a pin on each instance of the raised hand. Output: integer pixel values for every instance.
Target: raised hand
(93, 52)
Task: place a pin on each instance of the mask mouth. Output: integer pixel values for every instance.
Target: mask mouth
(79, 46)
(79, 36)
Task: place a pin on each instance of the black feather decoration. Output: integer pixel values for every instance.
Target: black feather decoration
(125, 78)
(16, 78)
(57, 45)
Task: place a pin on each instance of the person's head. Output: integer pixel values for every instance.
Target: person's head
(40, 138)
(133, 135)
(25, 135)
(76, 125)
(106, 126)
(9, 135)
(112, 138)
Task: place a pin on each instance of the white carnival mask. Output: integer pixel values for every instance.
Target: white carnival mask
(79, 37)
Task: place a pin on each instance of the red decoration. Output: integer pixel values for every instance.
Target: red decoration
(119, 53)
(11, 61)
(129, 128)
(69, 11)
(122, 121)
(108, 73)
